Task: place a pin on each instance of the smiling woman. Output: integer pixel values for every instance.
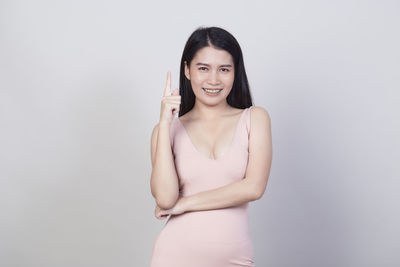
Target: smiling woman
(211, 161)
(213, 75)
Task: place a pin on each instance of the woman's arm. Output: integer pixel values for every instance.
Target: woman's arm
(230, 195)
(253, 186)
(164, 180)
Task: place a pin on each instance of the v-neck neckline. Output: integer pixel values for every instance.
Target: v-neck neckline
(227, 150)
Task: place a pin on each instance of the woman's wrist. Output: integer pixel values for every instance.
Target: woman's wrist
(186, 203)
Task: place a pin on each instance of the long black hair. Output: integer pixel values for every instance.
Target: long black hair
(239, 96)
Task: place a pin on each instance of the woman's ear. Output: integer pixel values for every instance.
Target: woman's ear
(187, 74)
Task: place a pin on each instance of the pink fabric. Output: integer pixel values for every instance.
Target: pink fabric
(209, 238)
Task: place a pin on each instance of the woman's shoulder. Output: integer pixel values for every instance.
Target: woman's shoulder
(259, 112)
(184, 117)
(258, 116)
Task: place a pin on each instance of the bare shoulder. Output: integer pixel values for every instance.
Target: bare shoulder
(260, 127)
(259, 116)
(184, 117)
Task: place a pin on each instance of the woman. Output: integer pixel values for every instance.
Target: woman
(211, 160)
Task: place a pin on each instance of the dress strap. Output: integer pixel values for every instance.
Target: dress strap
(248, 119)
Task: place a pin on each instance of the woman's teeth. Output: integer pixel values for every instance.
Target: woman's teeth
(212, 91)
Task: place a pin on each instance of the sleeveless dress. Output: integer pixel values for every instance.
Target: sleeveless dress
(207, 238)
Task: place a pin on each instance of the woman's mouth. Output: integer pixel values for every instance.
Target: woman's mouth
(211, 91)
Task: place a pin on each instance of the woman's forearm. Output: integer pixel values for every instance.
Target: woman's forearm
(164, 179)
(230, 195)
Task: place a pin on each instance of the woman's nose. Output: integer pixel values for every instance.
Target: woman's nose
(213, 78)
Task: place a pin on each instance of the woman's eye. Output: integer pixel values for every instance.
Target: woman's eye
(225, 70)
(202, 68)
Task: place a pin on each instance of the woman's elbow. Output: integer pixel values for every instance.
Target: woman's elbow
(166, 203)
(257, 192)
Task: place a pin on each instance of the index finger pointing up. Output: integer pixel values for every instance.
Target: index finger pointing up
(167, 90)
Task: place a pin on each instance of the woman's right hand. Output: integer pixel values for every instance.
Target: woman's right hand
(170, 102)
(159, 214)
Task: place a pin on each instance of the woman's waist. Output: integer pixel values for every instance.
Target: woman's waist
(234, 213)
(216, 224)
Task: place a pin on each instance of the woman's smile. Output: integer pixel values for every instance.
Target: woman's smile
(211, 92)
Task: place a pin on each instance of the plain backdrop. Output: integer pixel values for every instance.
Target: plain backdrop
(80, 90)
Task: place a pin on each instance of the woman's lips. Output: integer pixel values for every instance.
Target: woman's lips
(210, 93)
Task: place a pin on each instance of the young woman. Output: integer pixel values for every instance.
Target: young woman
(211, 160)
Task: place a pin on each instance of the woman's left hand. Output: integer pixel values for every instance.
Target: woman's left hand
(179, 208)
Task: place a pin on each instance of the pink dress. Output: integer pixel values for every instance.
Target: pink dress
(208, 238)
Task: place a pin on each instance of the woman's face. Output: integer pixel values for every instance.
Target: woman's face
(211, 69)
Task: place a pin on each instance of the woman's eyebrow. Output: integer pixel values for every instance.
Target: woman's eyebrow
(204, 64)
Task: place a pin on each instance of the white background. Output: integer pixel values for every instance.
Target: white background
(80, 90)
